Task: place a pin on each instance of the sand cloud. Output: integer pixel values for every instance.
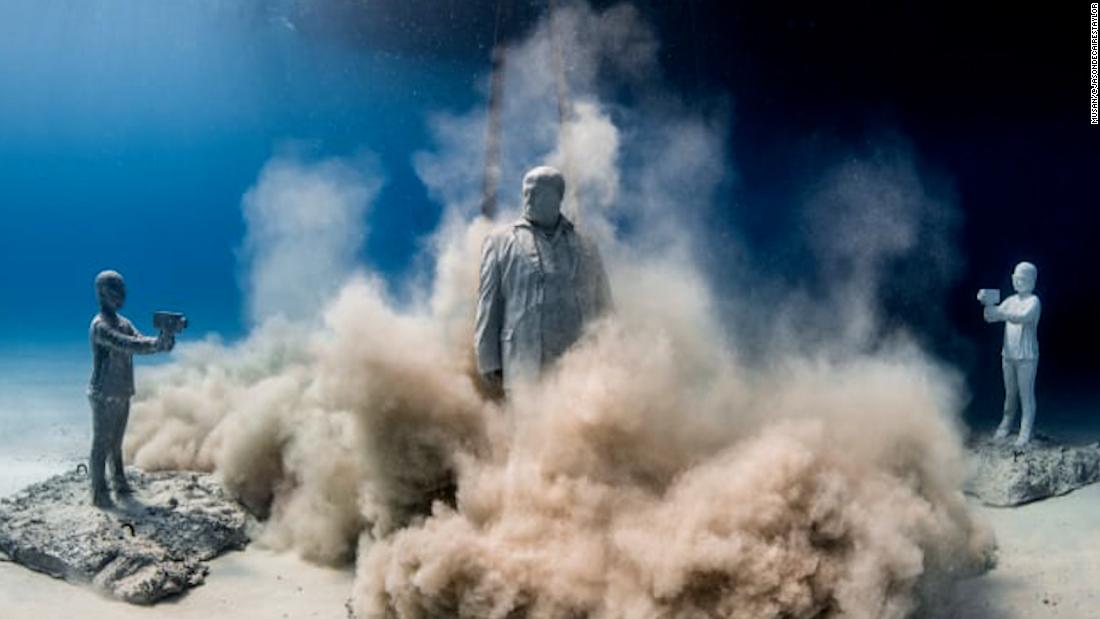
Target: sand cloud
(305, 223)
(654, 471)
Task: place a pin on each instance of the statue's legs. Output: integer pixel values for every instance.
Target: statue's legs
(1011, 399)
(1025, 379)
(101, 444)
(118, 430)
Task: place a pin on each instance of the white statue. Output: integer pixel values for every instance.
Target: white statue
(540, 283)
(1020, 353)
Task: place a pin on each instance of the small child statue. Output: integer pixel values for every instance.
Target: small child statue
(114, 342)
(1020, 352)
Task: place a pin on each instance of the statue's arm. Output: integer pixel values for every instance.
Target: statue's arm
(1027, 315)
(116, 339)
(490, 310)
(992, 313)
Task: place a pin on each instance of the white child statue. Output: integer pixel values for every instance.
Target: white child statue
(1020, 353)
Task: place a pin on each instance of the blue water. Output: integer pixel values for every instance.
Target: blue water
(129, 132)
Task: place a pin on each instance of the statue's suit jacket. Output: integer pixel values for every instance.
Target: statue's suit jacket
(536, 293)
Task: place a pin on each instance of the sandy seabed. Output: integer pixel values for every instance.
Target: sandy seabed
(1048, 562)
(1049, 566)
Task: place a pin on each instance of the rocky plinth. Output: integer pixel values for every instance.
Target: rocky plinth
(149, 546)
(1004, 475)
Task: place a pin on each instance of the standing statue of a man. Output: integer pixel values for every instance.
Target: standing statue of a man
(114, 342)
(1020, 352)
(540, 283)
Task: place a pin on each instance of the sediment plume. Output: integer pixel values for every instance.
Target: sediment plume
(649, 474)
(654, 471)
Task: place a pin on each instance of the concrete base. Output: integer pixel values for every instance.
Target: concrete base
(151, 545)
(1004, 475)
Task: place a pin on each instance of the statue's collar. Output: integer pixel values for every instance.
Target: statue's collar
(563, 224)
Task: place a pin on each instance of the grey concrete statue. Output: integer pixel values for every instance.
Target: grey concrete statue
(540, 283)
(114, 341)
(1020, 352)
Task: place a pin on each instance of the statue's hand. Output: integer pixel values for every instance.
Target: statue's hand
(166, 342)
(991, 313)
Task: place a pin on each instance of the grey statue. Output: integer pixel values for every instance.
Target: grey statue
(114, 341)
(540, 283)
(1020, 351)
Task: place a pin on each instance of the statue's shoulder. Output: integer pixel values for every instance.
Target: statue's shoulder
(582, 237)
(585, 241)
(121, 324)
(101, 324)
(503, 231)
(99, 321)
(502, 235)
(1025, 302)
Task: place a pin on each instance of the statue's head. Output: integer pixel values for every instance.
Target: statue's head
(543, 190)
(1024, 276)
(110, 290)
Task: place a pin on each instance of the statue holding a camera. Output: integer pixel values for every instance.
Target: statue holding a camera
(115, 341)
(1020, 351)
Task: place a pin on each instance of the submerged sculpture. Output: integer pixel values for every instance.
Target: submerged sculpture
(1020, 352)
(540, 283)
(114, 341)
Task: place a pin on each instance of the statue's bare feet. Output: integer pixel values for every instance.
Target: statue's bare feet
(1001, 433)
(1022, 441)
(102, 500)
(121, 486)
